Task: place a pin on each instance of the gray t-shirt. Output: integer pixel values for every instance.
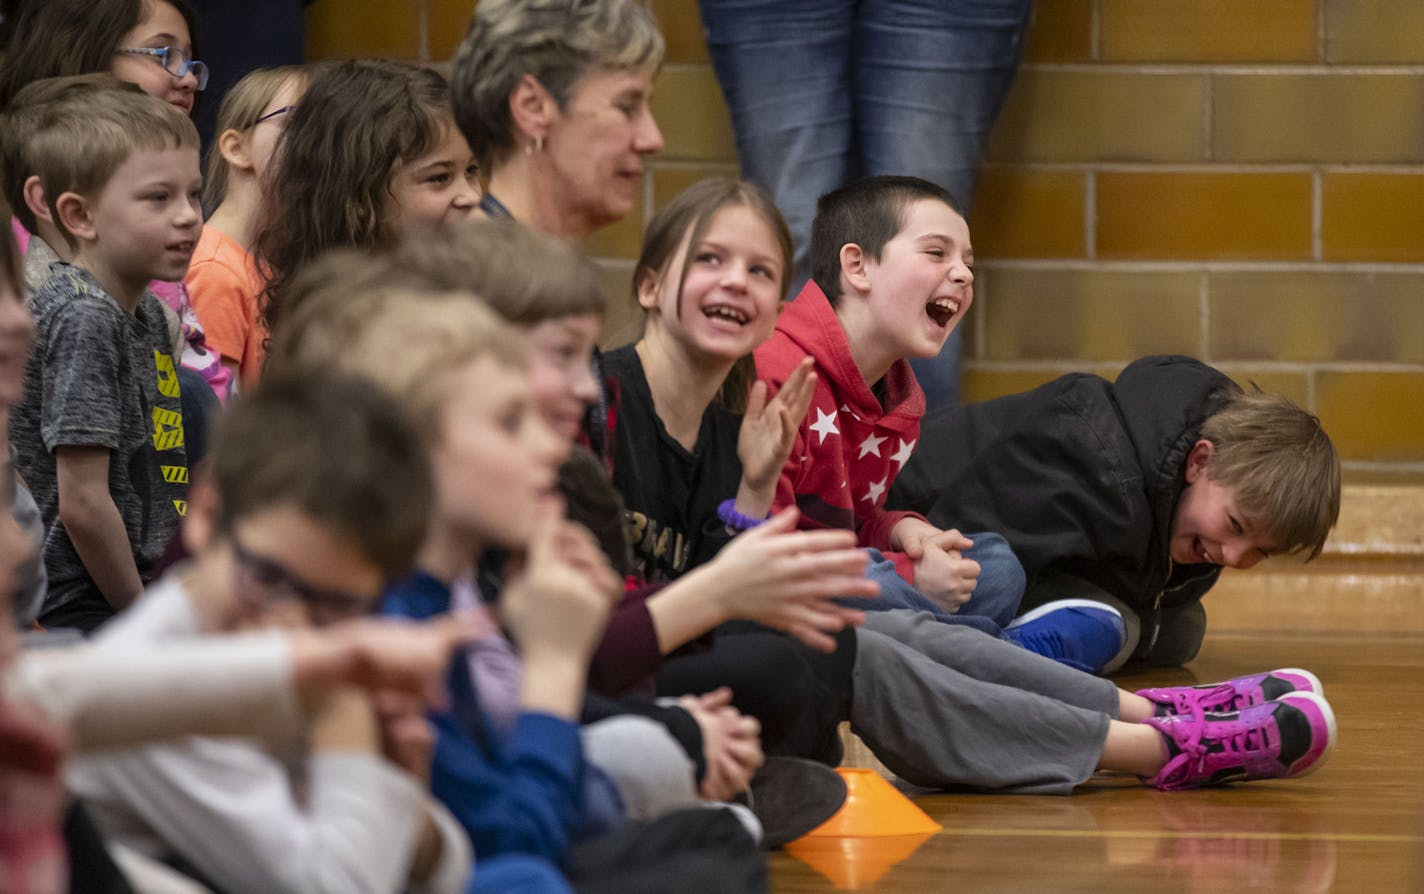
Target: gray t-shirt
(100, 377)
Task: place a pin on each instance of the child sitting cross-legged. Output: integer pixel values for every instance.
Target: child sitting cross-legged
(940, 704)
(512, 762)
(296, 534)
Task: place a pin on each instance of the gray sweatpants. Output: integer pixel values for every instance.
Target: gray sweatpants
(945, 705)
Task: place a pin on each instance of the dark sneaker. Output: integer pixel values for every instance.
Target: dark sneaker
(791, 796)
(1080, 633)
(1276, 740)
(1234, 694)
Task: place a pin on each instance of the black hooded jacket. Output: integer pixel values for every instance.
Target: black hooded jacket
(1080, 475)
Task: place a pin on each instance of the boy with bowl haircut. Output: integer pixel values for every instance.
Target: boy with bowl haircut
(1133, 493)
(297, 535)
(892, 275)
(99, 432)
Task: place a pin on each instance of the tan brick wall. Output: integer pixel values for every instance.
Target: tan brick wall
(1242, 180)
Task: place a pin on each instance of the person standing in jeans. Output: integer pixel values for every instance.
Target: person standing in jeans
(823, 92)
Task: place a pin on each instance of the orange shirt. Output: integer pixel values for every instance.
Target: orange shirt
(224, 286)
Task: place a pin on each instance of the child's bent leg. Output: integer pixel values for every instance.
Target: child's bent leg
(991, 660)
(1001, 580)
(1179, 636)
(652, 772)
(934, 726)
(1133, 748)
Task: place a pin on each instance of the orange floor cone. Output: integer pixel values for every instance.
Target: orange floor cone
(852, 863)
(873, 808)
(876, 828)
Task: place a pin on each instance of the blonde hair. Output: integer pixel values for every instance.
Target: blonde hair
(84, 136)
(240, 109)
(524, 276)
(555, 41)
(1281, 465)
(408, 341)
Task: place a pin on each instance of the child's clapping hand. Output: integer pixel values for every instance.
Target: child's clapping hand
(767, 434)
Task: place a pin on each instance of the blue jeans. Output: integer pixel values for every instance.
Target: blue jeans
(996, 597)
(826, 91)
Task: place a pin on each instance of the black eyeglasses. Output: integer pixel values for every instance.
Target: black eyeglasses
(174, 61)
(274, 113)
(280, 583)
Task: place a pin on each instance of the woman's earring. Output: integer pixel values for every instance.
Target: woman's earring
(536, 146)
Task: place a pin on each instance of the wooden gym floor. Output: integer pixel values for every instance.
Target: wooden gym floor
(1357, 825)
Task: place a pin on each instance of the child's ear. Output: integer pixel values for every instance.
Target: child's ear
(75, 215)
(201, 521)
(531, 108)
(1199, 459)
(648, 290)
(853, 267)
(34, 194)
(233, 146)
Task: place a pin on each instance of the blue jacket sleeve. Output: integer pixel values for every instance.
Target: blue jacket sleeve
(521, 801)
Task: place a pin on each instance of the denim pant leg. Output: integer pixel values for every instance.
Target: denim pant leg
(1001, 580)
(785, 70)
(896, 592)
(930, 78)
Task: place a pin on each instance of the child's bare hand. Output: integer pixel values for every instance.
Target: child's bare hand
(769, 427)
(380, 653)
(731, 743)
(943, 574)
(784, 578)
(407, 739)
(558, 602)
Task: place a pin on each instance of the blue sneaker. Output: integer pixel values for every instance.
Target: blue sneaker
(1080, 633)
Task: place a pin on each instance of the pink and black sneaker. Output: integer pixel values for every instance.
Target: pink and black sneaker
(1232, 695)
(1280, 739)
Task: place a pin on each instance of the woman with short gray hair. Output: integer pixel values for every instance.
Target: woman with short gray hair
(553, 96)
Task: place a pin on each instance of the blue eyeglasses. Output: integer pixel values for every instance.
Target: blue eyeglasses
(173, 60)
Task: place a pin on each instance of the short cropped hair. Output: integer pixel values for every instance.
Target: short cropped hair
(524, 276)
(84, 136)
(336, 449)
(556, 41)
(1281, 465)
(868, 213)
(22, 124)
(409, 342)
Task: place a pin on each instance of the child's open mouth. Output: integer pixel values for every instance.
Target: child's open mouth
(942, 310)
(724, 312)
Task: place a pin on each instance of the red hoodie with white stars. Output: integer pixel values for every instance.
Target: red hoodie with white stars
(850, 446)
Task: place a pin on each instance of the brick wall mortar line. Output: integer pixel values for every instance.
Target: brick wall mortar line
(1320, 32)
(1090, 214)
(1095, 31)
(1366, 465)
(1204, 302)
(1317, 215)
(1310, 399)
(1208, 110)
(1224, 68)
(1308, 369)
(1187, 266)
(422, 14)
(1187, 167)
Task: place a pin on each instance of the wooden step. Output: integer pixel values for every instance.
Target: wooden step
(1378, 522)
(1369, 578)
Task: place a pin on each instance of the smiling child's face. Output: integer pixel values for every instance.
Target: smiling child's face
(1208, 527)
